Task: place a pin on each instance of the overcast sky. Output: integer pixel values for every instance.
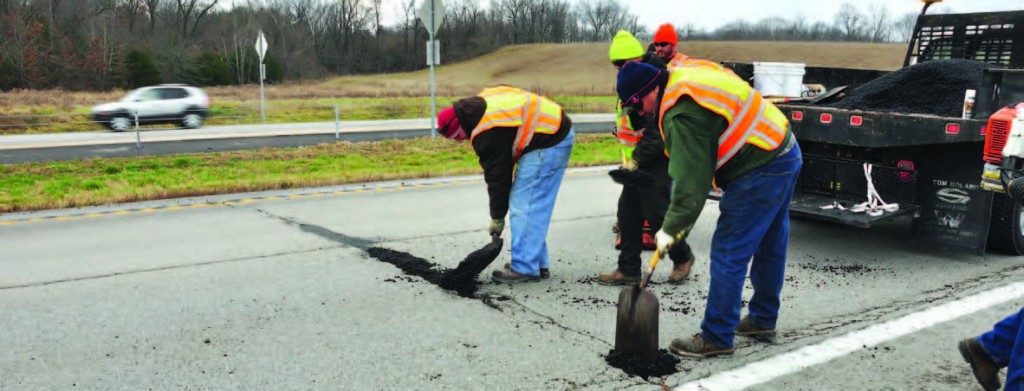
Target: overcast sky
(710, 14)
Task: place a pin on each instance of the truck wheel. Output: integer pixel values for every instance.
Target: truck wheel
(1005, 233)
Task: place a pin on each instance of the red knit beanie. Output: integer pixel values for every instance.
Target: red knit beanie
(447, 121)
(666, 33)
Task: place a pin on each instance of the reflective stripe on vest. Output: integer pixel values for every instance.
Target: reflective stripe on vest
(752, 120)
(624, 128)
(680, 60)
(513, 107)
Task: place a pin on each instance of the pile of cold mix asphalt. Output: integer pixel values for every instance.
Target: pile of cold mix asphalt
(933, 87)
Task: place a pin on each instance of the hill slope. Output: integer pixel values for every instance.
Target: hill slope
(583, 69)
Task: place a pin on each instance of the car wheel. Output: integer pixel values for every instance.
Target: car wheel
(120, 124)
(192, 120)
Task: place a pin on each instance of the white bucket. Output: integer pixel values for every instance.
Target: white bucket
(779, 78)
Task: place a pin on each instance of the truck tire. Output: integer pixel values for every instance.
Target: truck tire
(1005, 233)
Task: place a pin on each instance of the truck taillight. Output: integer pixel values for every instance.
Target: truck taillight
(798, 115)
(826, 118)
(952, 128)
(996, 132)
(856, 120)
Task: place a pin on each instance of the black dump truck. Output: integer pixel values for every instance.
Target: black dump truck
(888, 145)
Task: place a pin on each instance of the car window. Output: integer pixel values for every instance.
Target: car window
(148, 95)
(172, 93)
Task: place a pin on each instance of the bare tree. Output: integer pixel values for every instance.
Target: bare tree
(850, 21)
(190, 13)
(878, 23)
(903, 27)
(152, 9)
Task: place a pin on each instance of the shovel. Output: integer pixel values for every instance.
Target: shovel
(473, 264)
(636, 327)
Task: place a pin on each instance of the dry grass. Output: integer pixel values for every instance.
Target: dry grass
(567, 70)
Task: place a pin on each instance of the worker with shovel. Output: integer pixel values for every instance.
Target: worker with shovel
(523, 141)
(720, 131)
(642, 150)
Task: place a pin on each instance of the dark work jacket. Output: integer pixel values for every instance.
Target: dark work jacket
(494, 148)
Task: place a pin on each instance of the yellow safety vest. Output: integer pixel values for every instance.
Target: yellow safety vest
(513, 107)
(752, 120)
(624, 131)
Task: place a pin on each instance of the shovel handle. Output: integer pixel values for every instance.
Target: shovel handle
(650, 269)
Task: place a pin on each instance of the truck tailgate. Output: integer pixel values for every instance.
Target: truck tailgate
(879, 130)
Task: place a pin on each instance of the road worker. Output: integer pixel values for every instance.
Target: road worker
(642, 148)
(665, 41)
(523, 141)
(719, 131)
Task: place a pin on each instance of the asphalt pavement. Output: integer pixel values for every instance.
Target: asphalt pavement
(274, 290)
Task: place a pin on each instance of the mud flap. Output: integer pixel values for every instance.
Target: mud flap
(954, 210)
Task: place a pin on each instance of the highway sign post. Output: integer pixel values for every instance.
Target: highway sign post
(261, 49)
(431, 12)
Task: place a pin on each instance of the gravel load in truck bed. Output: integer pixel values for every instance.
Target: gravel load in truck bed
(933, 87)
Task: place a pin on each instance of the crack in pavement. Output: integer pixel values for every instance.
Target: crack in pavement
(351, 241)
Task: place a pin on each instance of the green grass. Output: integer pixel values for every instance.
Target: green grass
(36, 186)
(51, 120)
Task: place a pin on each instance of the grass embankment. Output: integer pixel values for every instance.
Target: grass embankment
(37, 186)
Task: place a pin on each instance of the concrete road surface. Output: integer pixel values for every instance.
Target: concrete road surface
(274, 291)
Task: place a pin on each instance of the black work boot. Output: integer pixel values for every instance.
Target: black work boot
(985, 370)
(747, 328)
(697, 346)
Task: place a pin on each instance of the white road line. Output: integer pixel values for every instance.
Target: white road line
(820, 353)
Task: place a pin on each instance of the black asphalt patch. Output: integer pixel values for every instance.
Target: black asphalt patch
(664, 365)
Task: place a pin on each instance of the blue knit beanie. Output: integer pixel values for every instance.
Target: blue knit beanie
(636, 80)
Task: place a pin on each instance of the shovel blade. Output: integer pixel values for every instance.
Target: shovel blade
(636, 327)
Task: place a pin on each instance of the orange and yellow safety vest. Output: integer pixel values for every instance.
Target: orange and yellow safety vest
(683, 60)
(513, 107)
(752, 120)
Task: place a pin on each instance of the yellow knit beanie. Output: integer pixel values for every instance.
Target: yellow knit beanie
(625, 47)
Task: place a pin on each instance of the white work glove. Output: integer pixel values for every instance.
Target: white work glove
(664, 241)
(497, 225)
(630, 165)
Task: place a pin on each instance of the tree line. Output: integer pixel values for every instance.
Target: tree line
(104, 44)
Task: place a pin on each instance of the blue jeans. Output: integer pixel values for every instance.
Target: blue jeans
(537, 179)
(1005, 346)
(754, 223)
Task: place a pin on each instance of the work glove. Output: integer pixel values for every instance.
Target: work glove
(664, 241)
(630, 165)
(497, 225)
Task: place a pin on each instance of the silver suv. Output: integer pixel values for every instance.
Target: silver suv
(166, 103)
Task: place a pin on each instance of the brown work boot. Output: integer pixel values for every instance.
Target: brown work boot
(615, 277)
(680, 272)
(696, 346)
(747, 328)
(985, 371)
(509, 276)
(544, 272)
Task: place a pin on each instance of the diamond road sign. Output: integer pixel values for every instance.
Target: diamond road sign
(261, 45)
